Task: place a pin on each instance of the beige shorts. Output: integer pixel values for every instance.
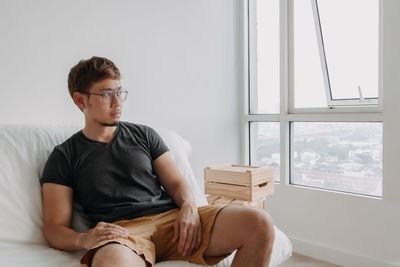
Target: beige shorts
(151, 236)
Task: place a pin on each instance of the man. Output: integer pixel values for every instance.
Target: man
(139, 204)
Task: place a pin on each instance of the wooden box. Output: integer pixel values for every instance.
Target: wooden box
(241, 182)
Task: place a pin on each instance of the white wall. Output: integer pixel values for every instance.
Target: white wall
(345, 229)
(177, 58)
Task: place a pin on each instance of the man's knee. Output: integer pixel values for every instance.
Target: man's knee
(262, 227)
(115, 254)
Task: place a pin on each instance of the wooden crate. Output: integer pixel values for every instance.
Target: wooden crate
(240, 182)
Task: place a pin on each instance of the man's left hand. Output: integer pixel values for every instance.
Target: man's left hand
(187, 228)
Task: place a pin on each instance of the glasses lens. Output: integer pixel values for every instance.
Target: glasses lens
(107, 97)
(122, 95)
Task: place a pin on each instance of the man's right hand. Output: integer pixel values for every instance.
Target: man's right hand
(102, 231)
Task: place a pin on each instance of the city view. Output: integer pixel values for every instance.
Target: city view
(342, 156)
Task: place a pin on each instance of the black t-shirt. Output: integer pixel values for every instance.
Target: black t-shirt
(112, 181)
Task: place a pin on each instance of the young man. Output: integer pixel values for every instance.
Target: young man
(118, 172)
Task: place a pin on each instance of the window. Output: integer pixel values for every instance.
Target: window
(315, 102)
(338, 42)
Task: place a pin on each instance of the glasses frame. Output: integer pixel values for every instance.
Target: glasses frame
(114, 93)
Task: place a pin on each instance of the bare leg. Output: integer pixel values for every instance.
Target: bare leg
(248, 230)
(115, 254)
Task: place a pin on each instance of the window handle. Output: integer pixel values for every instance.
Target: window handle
(360, 94)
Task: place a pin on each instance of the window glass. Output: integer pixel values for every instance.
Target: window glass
(265, 146)
(343, 156)
(264, 97)
(309, 90)
(350, 31)
(336, 52)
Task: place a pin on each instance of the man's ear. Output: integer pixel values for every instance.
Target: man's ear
(80, 100)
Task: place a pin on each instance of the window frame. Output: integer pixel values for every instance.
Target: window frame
(288, 113)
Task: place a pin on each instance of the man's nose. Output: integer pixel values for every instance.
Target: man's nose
(115, 101)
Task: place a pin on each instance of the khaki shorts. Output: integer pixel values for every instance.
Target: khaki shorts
(151, 238)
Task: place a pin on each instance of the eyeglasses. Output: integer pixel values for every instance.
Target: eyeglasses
(108, 95)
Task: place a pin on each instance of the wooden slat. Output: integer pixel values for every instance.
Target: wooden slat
(238, 174)
(239, 192)
(232, 191)
(262, 191)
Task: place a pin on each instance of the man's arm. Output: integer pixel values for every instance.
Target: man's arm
(188, 224)
(57, 214)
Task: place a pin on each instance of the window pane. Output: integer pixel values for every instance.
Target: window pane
(264, 145)
(350, 31)
(264, 97)
(309, 90)
(343, 156)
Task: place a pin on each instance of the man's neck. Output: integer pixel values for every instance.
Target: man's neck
(99, 132)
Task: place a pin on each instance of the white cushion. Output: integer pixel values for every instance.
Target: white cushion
(180, 150)
(23, 153)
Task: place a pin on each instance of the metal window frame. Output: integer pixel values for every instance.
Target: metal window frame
(288, 113)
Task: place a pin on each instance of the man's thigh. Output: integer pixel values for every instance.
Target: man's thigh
(115, 254)
(232, 227)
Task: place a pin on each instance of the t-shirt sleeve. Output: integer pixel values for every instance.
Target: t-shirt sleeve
(56, 169)
(156, 144)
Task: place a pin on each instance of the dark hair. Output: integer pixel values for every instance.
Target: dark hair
(88, 71)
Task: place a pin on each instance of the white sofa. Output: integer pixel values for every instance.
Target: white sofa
(23, 152)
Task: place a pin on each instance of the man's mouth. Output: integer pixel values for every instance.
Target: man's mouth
(116, 113)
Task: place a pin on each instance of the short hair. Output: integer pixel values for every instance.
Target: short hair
(89, 71)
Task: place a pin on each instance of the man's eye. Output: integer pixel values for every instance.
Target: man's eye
(107, 94)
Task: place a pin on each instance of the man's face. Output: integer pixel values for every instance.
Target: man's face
(102, 105)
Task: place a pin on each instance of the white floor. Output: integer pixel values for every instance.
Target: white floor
(302, 261)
